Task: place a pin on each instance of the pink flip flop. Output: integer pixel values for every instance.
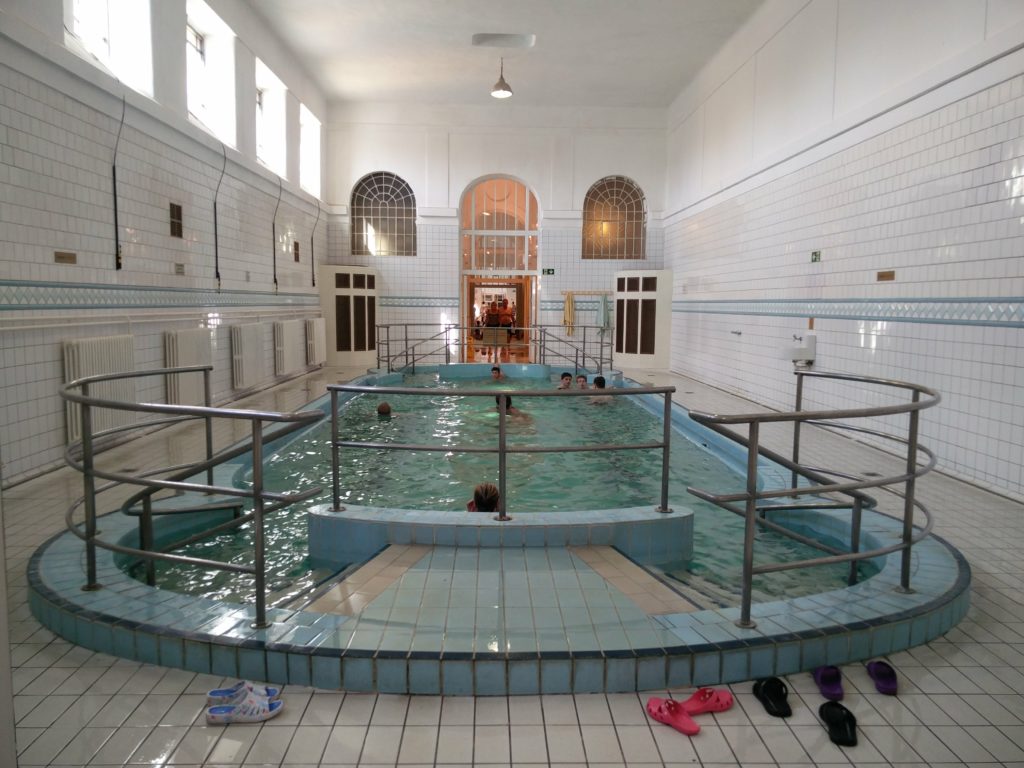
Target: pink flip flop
(671, 712)
(708, 700)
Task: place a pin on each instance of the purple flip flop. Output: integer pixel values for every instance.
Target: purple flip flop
(830, 682)
(884, 677)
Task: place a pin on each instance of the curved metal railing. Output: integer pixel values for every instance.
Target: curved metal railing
(80, 455)
(501, 448)
(824, 481)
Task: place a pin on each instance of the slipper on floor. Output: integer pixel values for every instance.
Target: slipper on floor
(840, 722)
(884, 677)
(772, 693)
(671, 712)
(252, 709)
(238, 691)
(708, 700)
(830, 682)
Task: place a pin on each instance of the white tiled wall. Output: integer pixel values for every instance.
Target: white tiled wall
(57, 147)
(938, 200)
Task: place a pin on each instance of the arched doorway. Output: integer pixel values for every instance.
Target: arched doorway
(499, 224)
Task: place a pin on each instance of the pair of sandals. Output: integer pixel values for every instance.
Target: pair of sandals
(839, 721)
(679, 714)
(243, 702)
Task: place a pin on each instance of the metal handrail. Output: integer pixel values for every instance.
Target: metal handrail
(410, 345)
(502, 449)
(824, 479)
(174, 477)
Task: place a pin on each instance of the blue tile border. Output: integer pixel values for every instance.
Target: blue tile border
(999, 312)
(301, 648)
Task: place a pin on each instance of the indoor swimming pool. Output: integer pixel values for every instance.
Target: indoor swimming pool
(537, 482)
(445, 601)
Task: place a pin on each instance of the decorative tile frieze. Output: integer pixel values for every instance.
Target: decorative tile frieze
(17, 294)
(997, 312)
(418, 301)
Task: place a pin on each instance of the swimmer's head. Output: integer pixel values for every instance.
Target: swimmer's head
(599, 382)
(485, 497)
(566, 376)
(496, 372)
(384, 409)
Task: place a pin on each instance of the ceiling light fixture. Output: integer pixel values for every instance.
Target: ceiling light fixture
(501, 89)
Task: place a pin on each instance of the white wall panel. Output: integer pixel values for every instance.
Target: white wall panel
(685, 162)
(729, 130)
(882, 44)
(795, 75)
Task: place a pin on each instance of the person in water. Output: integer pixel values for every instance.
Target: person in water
(599, 383)
(384, 410)
(581, 382)
(486, 498)
(566, 381)
(496, 374)
(510, 409)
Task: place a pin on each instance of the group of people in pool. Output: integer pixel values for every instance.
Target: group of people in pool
(565, 382)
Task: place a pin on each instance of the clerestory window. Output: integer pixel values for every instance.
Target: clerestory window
(383, 216)
(614, 220)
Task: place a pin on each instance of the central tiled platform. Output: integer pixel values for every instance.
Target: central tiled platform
(468, 600)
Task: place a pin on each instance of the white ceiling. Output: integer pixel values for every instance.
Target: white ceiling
(589, 53)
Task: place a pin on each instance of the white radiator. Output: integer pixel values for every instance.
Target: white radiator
(246, 355)
(316, 342)
(183, 348)
(89, 357)
(289, 347)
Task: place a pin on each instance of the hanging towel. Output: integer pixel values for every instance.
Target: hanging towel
(569, 314)
(602, 313)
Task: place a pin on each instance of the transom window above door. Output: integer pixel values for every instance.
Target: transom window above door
(499, 224)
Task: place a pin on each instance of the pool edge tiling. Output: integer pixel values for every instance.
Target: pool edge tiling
(129, 619)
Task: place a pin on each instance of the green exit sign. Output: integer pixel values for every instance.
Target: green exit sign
(815, 256)
(547, 271)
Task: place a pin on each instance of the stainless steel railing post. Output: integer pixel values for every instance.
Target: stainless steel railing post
(750, 527)
(208, 402)
(89, 489)
(335, 456)
(855, 518)
(258, 555)
(796, 424)
(502, 454)
(666, 421)
(908, 498)
(146, 537)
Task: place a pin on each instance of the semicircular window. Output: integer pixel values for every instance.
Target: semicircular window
(614, 220)
(383, 216)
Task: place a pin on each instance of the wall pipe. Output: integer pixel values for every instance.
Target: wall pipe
(113, 175)
(216, 194)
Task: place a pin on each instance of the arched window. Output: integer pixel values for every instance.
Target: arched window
(614, 220)
(383, 216)
(499, 226)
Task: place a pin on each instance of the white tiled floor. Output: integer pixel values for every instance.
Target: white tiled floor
(960, 702)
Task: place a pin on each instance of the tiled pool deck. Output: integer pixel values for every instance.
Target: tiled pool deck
(516, 620)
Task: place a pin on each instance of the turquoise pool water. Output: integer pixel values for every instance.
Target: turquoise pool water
(535, 482)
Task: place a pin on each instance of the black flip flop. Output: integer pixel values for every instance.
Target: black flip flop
(772, 692)
(840, 722)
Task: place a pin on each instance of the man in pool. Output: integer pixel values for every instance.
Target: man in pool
(600, 399)
(384, 410)
(581, 382)
(510, 410)
(486, 499)
(496, 374)
(566, 381)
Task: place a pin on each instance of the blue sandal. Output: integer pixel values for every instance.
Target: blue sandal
(238, 693)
